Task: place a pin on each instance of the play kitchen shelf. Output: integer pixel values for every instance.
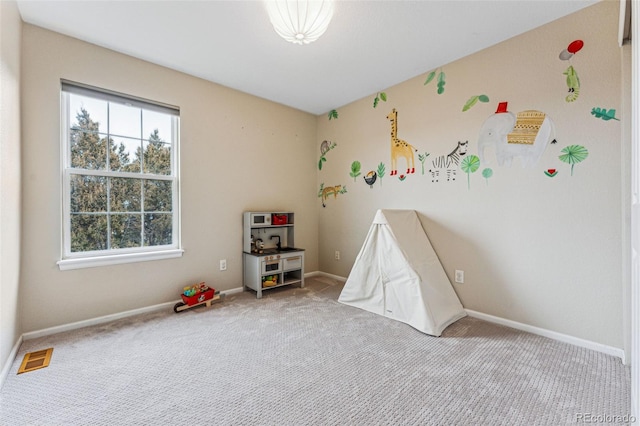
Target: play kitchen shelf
(270, 258)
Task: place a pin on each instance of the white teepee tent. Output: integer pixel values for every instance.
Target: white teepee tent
(397, 274)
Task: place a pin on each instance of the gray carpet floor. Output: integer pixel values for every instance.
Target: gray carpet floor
(298, 357)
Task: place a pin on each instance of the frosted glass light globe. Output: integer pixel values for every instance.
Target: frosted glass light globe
(300, 21)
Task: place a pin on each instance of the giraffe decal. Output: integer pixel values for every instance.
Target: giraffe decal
(399, 148)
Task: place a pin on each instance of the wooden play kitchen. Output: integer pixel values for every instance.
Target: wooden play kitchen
(270, 258)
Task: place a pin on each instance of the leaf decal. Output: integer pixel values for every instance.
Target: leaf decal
(430, 77)
(333, 114)
(471, 102)
(604, 114)
(380, 96)
(470, 164)
(441, 82)
(574, 154)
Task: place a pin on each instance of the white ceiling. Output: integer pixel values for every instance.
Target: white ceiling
(369, 46)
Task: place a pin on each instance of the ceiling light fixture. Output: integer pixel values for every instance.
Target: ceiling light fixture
(300, 21)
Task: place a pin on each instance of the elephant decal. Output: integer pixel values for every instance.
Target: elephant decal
(525, 135)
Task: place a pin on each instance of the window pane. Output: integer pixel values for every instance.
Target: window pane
(158, 196)
(88, 232)
(124, 120)
(126, 231)
(157, 157)
(157, 229)
(88, 113)
(156, 122)
(125, 155)
(88, 194)
(88, 150)
(125, 194)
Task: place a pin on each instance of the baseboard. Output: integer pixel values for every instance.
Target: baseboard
(324, 274)
(609, 350)
(108, 318)
(10, 359)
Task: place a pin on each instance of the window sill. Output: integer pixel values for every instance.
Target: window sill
(92, 262)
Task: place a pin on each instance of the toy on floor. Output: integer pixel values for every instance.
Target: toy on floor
(196, 295)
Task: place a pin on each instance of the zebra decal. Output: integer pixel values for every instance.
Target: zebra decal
(448, 162)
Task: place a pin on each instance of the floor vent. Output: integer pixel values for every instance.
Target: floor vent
(35, 360)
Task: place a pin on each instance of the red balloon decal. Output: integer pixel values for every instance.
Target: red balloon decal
(575, 46)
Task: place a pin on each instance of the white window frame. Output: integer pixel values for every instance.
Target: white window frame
(87, 259)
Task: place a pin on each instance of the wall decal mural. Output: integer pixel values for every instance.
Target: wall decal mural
(470, 164)
(370, 178)
(324, 193)
(604, 114)
(380, 96)
(381, 171)
(525, 135)
(474, 100)
(401, 178)
(441, 80)
(448, 162)
(573, 81)
(422, 158)
(325, 147)
(486, 174)
(333, 114)
(355, 170)
(399, 147)
(574, 154)
(551, 172)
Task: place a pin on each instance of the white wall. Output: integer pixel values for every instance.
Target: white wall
(537, 250)
(10, 39)
(238, 153)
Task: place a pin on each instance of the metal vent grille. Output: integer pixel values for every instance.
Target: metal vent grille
(35, 360)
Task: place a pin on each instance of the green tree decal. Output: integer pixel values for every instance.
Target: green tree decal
(422, 158)
(573, 154)
(355, 170)
(333, 114)
(381, 172)
(470, 164)
(487, 173)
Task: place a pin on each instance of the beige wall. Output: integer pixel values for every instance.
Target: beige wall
(543, 251)
(238, 152)
(538, 250)
(10, 36)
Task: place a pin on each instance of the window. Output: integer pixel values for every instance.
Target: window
(119, 177)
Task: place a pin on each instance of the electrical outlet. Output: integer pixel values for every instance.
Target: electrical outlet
(459, 276)
(223, 265)
(337, 255)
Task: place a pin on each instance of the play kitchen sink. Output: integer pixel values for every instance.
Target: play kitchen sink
(270, 258)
